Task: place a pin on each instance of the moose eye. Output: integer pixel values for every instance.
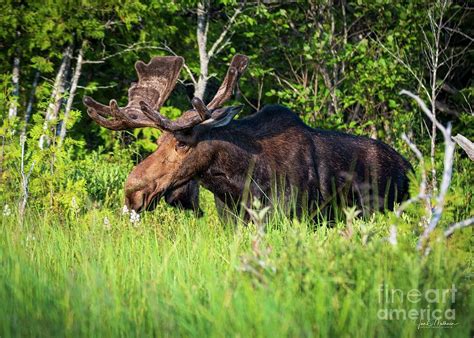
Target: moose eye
(180, 145)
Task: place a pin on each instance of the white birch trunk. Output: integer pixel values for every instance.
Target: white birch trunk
(206, 55)
(56, 96)
(13, 109)
(202, 28)
(31, 100)
(72, 92)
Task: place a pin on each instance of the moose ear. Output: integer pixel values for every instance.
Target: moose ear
(221, 117)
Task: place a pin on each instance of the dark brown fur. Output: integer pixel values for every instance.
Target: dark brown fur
(321, 166)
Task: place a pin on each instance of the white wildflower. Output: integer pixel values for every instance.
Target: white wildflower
(125, 210)
(106, 223)
(6, 210)
(134, 217)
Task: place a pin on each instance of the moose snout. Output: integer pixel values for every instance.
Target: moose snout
(135, 193)
(134, 201)
(141, 194)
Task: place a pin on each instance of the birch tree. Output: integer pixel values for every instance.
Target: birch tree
(72, 91)
(205, 54)
(31, 100)
(13, 109)
(56, 96)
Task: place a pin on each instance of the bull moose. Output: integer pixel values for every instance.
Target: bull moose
(205, 146)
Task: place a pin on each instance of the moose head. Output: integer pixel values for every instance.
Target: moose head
(170, 171)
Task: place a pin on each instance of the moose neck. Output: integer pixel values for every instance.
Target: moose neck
(267, 152)
(232, 156)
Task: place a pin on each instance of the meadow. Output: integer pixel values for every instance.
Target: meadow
(97, 274)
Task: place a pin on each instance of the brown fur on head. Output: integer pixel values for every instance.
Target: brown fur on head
(180, 158)
(155, 175)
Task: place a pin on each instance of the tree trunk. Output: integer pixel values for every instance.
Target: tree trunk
(56, 96)
(31, 100)
(72, 92)
(202, 28)
(206, 55)
(12, 111)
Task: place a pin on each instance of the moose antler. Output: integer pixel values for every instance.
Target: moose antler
(156, 81)
(209, 115)
(237, 66)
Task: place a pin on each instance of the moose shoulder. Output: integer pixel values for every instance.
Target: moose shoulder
(282, 155)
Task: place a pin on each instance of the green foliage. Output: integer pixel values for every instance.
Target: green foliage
(104, 175)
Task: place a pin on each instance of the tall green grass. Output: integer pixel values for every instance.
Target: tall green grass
(176, 275)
